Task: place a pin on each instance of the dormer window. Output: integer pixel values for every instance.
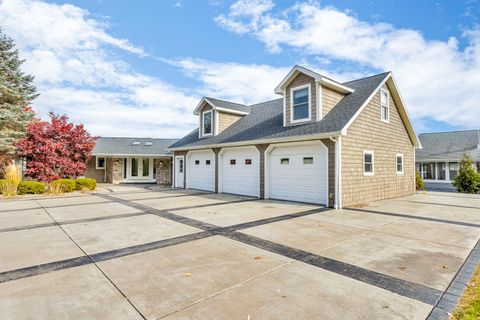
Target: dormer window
(207, 123)
(300, 102)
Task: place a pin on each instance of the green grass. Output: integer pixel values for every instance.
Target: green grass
(469, 306)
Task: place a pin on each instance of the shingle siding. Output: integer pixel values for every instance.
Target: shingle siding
(225, 120)
(300, 80)
(93, 172)
(330, 98)
(368, 132)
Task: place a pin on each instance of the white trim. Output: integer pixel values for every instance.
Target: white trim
(338, 173)
(396, 164)
(400, 105)
(373, 163)
(284, 107)
(203, 123)
(292, 90)
(231, 111)
(316, 136)
(382, 90)
(318, 78)
(133, 155)
(175, 172)
(139, 178)
(319, 102)
(189, 170)
(104, 163)
(200, 105)
(215, 127)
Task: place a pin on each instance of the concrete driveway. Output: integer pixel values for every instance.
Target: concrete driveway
(137, 253)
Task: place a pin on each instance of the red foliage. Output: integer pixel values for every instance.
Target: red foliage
(55, 149)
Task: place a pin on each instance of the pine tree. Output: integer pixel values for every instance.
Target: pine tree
(468, 180)
(16, 93)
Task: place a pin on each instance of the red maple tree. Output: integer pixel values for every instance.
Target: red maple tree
(55, 149)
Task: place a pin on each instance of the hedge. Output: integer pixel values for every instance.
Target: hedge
(31, 187)
(86, 184)
(66, 185)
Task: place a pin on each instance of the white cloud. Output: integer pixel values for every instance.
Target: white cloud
(78, 72)
(438, 79)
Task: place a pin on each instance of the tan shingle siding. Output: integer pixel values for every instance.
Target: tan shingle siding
(330, 98)
(225, 120)
(368, 132)
(300, 80)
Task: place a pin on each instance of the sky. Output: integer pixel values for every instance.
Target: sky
(139, 68)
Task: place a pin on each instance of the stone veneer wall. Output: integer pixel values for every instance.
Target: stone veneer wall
(163, 171)
(114, 170)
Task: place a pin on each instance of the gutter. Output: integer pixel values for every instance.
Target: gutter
(316, 136)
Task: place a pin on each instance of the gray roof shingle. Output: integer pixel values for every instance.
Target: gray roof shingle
(265, 120)
(229, 105)
(125, 146)
(449, 145)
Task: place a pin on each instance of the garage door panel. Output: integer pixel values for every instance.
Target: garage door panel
(240, 178)
(299, 179)
(202, 175)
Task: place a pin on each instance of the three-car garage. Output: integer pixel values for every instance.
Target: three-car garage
(293, 172)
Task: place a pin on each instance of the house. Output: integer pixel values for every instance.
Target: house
(131, 160)
(324, 142)
(439, 161)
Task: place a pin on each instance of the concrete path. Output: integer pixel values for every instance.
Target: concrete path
(131, 252)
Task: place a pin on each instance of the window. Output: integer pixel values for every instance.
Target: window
(308, 160)
(300, 104)
(399, 161)
(453, 168)
(146, 167)
(207, 162)
(100, 163)
(368, 163)
(428, 170)
(284, 161)
(180, 165)
(134, 167)
(125, 168)
(385, 105)
(207, 122)
(248, 161)
(233, 161)
(442, 169)
(197, 162)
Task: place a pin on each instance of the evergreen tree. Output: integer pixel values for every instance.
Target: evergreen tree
(16, 93)
(467, 180)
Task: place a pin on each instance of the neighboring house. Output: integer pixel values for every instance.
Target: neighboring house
(324, 142)
(439, 160)
(131, 160)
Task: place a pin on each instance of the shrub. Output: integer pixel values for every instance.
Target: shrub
(31, 187)
(419, 184)
(2, 181)
(62, 185)
(468, 180)
(12, 177)
(86, 184)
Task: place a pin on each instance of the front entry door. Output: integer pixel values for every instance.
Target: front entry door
(179, 171)
(140, 168)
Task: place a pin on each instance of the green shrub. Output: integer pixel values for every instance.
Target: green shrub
(419, 184)
(63, 185)
(31, 187)
(2, 182)
(468, 180)
(86, 184)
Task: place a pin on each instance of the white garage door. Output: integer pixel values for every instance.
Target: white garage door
(240, 171)
(299, 173)
(201, 170)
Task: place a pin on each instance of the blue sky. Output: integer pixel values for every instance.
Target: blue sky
(138, 68)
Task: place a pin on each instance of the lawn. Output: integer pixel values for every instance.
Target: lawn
(469, 306)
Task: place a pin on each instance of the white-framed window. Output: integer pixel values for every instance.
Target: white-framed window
(399, 163)
(385, 105)
(207, 123)
(368, 163)
(300, 102)
(100, 163)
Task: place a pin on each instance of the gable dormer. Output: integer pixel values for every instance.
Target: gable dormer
(308, 96)
(217, 115)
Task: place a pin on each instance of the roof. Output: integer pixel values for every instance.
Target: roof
(265, 120)
(110, 146)
(449, 145)
(222, 105)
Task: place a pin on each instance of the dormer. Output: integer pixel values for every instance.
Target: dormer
(217, 115)
(308, 96)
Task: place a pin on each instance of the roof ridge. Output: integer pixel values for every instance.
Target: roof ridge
(364, 78)
(241, 104)
(138, 138)
(442, 132)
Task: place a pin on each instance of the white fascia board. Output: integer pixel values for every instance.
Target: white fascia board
(315, 136)
(243, 113)
(132, 155)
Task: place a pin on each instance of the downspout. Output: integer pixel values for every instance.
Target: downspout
(338, 172)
